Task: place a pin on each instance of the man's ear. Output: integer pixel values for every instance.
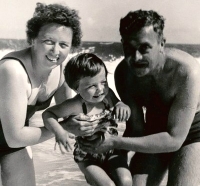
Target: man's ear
(32, 42)
(162, 44)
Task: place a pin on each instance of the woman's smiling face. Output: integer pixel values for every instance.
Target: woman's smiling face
(52, 45)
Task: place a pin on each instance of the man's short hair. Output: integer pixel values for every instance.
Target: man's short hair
(135, 21)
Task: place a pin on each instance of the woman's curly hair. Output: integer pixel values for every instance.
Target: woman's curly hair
(54, 13)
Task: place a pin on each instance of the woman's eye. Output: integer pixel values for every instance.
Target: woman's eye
(63, 45)
(48, 42)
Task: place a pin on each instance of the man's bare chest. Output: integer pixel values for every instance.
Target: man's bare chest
(152, 95)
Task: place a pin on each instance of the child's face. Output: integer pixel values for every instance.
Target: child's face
(94, 89)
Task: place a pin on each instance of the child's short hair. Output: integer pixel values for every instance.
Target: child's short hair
(80, 66)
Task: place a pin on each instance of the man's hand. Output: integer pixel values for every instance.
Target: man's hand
(101, 144)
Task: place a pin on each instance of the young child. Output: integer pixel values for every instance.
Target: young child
(86, 74)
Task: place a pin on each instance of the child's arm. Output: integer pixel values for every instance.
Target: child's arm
(121, 111)
(51, 116)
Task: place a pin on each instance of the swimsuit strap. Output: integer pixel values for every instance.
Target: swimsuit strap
(38, 103)
(84, 107)
(20, 63)
(105, 102)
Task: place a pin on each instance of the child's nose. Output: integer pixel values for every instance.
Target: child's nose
(100, 88)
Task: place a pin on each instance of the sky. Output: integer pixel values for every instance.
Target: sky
(100, 18)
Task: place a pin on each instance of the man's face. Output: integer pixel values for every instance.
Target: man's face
(141, 50)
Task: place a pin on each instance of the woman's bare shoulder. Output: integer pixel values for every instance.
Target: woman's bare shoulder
(12, 67)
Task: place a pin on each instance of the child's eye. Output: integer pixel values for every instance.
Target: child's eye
(104, 82)
(92, 86)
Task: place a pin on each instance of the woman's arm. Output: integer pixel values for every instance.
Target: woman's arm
(63, 93)
(13, 107)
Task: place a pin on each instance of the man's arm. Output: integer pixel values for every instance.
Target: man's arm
(180, 117)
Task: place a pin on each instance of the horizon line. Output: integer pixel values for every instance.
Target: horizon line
(108, 42)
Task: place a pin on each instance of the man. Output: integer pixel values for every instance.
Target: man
(167, 83)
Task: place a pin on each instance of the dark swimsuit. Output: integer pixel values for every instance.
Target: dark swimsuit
(194, 132)
(31, 109)
(79, 154)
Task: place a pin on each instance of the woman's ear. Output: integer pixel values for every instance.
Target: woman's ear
(72, 50)
(163, 41)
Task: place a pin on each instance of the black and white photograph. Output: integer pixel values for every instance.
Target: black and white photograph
(100, 93)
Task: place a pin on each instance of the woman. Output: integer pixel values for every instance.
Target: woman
(30, 78)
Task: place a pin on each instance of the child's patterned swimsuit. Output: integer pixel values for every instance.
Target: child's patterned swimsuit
(106, 124)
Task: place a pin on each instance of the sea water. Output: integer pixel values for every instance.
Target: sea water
(53, 168)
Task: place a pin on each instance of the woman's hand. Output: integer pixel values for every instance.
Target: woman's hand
(79, 125)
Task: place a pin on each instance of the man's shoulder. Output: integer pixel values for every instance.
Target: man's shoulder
(181, 58)
(121, 72)
(121, 67)
(182, 63)
(178, 55)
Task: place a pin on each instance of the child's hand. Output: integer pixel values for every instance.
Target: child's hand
(62, 139)
(121, 112)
